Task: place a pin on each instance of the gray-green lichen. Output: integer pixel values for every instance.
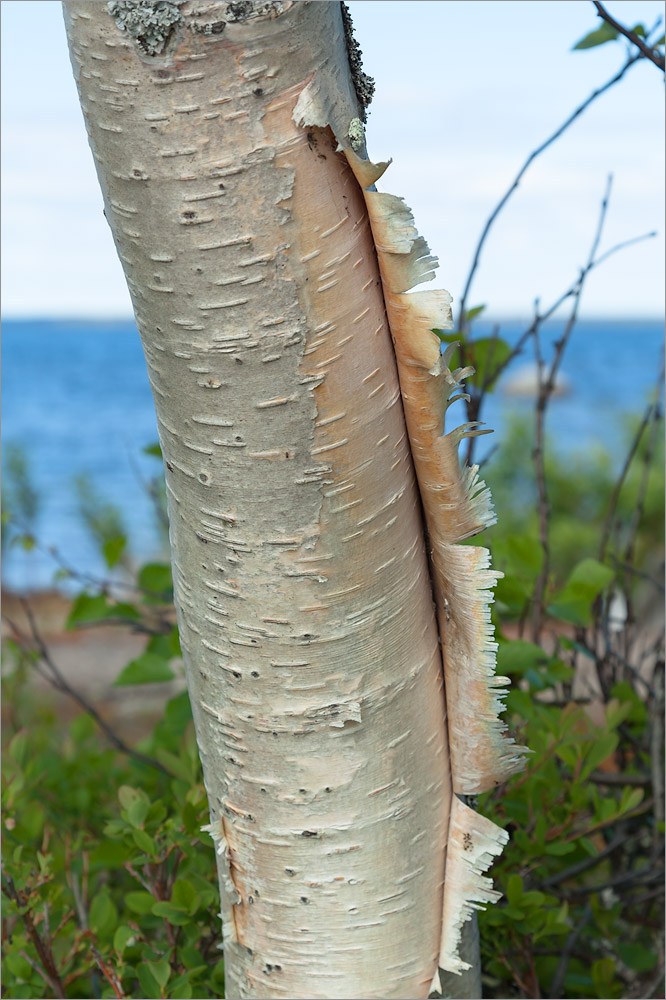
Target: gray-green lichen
(364, 85)
(356, 133)
(151, 22)
(243, 10)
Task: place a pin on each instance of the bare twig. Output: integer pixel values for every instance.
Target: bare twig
(639, 504)
(650, 53)
(618, 778)
(546, 387)
(654, 987)
(570, 943)
(649, 415)
(58, 681)
(49, 971)
(78, 901)
(644, 876)
(582, 866)
(633, 571)
(477, 397)
(519, 176)
(657, 754)
(41, 972)
(108, 973)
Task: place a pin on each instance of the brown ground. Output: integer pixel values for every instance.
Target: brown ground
(90, 659)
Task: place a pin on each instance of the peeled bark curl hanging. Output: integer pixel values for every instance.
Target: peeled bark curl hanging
(267, 277)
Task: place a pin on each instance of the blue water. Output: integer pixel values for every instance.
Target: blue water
(76, 399)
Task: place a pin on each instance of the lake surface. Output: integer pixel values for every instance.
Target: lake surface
(76, 399)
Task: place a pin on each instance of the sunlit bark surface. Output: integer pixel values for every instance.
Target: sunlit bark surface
(300, 567)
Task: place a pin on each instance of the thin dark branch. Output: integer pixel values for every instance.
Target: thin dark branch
(657, 584)
(50, 972)
(618, 778)
(519, 176)
(40, 972)
(539, 319)
(657, 753)
(569, 945)
(105, 586)
(58, 681)
(648, 416)
(582, 866)
(644, 876)
(108, 973)
(650, 53)
(546, 387)
(639, 504)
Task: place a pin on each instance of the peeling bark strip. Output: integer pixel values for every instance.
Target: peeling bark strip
(301, 574)
(456, 502)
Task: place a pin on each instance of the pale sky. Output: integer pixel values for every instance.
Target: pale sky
(465, 90)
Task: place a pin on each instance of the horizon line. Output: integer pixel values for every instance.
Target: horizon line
(505, 317)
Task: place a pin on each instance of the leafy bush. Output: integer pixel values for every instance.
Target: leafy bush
(110, 883)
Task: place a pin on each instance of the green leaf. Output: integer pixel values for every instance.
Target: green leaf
(473, 313)
(639, 29)
(637, 957)
(153, 449)
(592, 573)
(160, 645)
(156, 577)
(179, 767)
(586, 581)
(514, 889)
(26, 542)
(146, 669)
(113, 549)
(140, 902)
(180, 988)
(82, 728)
(603, 973)
(486, 356)
(516, 656)
(171, 913)
(18, 966)
(558, 848)
(144, 842)
(103, 915)
(149, 985)
(604, 33)
(127, 795)
(87, 608)
(19, 748)
(135, 803)
(174, 638)
(137, 812)
(602, 748)
(631, 798)
(122, 937)
(572, 605)
(31, 819)
(97, 607)
(447, 336)
(525, 555)
(185, 896)
(625, 694)
(109, 854)
(161, 971)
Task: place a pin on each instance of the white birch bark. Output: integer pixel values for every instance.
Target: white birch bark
(303, 583)
(299, 561)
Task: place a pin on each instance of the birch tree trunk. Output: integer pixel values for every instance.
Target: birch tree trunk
(302, 577)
